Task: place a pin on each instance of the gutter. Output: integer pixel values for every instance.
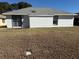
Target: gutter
(66, 14)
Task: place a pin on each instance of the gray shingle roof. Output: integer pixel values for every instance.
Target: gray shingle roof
(37, 11)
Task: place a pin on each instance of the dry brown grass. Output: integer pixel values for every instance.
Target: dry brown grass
(49, 43)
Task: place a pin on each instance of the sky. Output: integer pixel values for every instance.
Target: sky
(66, 5)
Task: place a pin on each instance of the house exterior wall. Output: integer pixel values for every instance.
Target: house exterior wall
(37, 22)
(9, 22)
(25, 22)
(42, 21)
(1, 23)
(65, 21)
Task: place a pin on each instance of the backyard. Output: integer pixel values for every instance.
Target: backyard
(45, 43)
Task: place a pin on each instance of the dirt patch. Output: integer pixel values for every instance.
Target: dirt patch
(52, 43)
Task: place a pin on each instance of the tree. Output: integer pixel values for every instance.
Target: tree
(23, 5)
(20, 5)
(5, 6)
(13, 6)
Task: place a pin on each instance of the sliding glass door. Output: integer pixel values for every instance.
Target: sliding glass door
(17, 21)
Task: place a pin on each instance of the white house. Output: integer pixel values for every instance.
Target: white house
(39, 17)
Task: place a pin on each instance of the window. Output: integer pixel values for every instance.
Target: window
(17, 20)
(3, 20)
(55, 20)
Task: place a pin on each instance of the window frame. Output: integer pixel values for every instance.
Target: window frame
(55, 20)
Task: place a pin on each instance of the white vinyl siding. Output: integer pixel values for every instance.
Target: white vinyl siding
(37, 22)
(9, 22)
(65, 21)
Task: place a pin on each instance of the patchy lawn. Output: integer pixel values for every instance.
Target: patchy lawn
(49, 43)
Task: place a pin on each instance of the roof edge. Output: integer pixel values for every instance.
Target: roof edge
(66, 14)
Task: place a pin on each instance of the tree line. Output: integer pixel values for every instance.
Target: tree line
(5, 6)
